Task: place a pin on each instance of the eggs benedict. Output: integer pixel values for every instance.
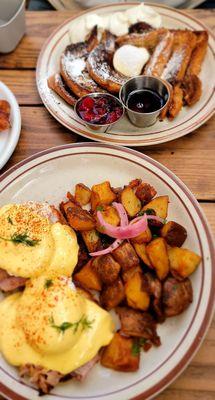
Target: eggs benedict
(34, 240)
(51, 325)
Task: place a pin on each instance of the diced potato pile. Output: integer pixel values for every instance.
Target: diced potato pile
(145, 279)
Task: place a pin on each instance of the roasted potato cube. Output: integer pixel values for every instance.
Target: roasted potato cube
(102, 194)
(159, 205)
(130, 201)
(141, 252)
(183, 262)
(145, 192)
(5, 107)
(110, 216)
(112, 296)
(158, 256)
(4, 121)
(126, 275)
(144, 237)
(82, 194)
(79, 219)
(174, 234)
(88, 277)
(107, 268)
(119, 354)
(136, 294)
(126, 256)
(92, 240)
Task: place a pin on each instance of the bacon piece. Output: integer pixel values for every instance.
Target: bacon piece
(11, 283)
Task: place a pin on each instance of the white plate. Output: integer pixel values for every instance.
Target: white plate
(48, 176)
(10, 137)
(124, 133)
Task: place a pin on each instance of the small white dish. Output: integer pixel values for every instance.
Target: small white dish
(10, 137)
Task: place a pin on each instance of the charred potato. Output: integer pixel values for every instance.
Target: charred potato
(102, 194)
(126, 256)
(119, 354)
(136, 294)
(145, 192)
(130, 201)
(183, 262)
(144, 237)
(141, 252)
(159, 205)
(79, 219)
(82, 194)
(107, 268)
(174, 234)
(88, 277)
(92, 240)
(112, 296)
(176, 296)
(158, 256)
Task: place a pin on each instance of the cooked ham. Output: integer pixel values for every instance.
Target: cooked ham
(46, 380)
(138, 324)
(11, 283)
(3, 274)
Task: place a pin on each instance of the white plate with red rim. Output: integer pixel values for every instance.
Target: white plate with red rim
(9, 138)
(47, 176)
(124, 133)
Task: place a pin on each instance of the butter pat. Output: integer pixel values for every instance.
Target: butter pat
(129, 60)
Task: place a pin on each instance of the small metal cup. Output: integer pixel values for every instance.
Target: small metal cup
(139, 83)
(98, 127)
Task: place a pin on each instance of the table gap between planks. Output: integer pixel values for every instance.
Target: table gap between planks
(191, 158)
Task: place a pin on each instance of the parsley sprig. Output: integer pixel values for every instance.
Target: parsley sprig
(136, 347)
(83, 322)
(21, 238)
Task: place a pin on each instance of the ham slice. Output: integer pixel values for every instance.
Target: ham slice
(81, 373)
(10, 283)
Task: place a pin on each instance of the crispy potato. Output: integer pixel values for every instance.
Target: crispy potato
(136, 295)
(130, 201)
(144, 237)
(82, 194)
(174, 233)
(88, 277)
(107, 268)
(5, 107)
(159, 205)
(92, 240)
(79, 219)
(112, 296)
(84, 293)
(4, 121)
(183, 262)
(110, 216)
(158, 256)
(119, 354)
(126, 275)
(145, 192)
(126, 256)
(102, 194)
(141, 252)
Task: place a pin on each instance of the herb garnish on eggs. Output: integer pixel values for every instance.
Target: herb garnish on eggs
(83, 322)
(22, 238)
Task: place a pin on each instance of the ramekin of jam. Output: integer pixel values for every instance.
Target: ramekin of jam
(144, 97)
(99, 110)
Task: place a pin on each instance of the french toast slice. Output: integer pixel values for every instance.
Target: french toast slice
(160, 55)
(55, 82)
(148, 39)
(198, 54)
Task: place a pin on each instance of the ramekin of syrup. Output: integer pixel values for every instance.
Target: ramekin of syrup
(99, 110)
(144, 97)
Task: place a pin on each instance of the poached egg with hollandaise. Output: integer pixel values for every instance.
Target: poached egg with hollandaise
(50, 324)
(34, 242)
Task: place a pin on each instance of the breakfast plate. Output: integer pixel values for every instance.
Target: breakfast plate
(46, 177)
(9, 138)
(124, 133)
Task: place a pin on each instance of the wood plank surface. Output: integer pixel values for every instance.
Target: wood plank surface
(191, 158)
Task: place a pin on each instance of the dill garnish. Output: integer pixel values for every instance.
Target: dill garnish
(22, 238)
(83, 322)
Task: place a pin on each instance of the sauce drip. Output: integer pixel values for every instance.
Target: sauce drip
(145, 101)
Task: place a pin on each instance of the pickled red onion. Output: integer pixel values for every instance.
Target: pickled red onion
(109, 249)
(123, 232)
(122, 213)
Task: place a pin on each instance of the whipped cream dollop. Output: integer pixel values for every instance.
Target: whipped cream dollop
(117, 23)
(130, 60)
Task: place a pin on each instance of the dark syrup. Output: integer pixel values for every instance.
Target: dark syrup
(145, 101)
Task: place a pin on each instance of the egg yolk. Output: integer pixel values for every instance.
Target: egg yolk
(31, 245)
(51, 325)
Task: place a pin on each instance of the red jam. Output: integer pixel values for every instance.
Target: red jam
(99, 110)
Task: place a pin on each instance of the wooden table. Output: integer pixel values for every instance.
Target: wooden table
(191, 158)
